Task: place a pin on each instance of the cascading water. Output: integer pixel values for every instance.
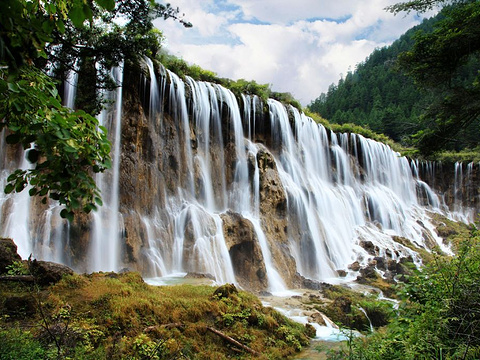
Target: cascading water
(107, 221)
(213, 159)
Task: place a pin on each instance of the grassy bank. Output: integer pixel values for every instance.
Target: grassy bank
(112, 316)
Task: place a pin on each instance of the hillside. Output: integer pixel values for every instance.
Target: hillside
(378, 95)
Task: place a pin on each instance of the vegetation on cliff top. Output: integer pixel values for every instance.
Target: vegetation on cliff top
(238, 87)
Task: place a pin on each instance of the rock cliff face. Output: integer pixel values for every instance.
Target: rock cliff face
(456, 182)
(241, 191)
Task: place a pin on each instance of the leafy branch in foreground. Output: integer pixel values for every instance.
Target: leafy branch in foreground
(64, 146)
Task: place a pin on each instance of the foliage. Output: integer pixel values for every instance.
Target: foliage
(113, 316)
(238, 87)
(20, 345)
(353, 310)
(354, 128)
(68, 146)
(17, 268)
(447, 63)
(439, 316)
(419, 5)
(429, 96)
(464, 156)
(57, 37)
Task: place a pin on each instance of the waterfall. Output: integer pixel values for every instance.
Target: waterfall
(197, 158)
(107, 221)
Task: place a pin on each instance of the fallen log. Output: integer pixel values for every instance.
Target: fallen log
(212, 330)
(25, 278)
(233, 341)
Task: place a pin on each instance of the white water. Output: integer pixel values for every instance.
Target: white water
(341, 190)
(107, 221)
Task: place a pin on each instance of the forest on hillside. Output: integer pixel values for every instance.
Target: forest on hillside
(386, 95)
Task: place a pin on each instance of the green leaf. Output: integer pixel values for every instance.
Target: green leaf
(20, 186)
(60, 26)
(77, 15)
(88, 12)
(106, 4)
(48, 26)
(13, 87)
(66, 214)
(9, 188)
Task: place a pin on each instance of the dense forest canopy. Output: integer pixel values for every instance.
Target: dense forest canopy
(423, 89)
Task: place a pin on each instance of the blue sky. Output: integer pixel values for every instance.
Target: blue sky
(299, 47)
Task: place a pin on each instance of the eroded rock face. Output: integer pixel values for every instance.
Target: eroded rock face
(245, 252)
(273, 212)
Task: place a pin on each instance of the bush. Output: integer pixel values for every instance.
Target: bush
(16, 344)
(439, 316)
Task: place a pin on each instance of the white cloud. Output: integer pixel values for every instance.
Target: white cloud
(300, 49)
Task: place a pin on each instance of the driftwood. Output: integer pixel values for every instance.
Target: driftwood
(212, 330)
(25, 278)
(233, 341)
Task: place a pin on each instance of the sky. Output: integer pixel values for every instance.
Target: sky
(299, 46)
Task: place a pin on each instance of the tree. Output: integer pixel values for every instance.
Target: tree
(65, 147)
(419, 5)
(446, 62)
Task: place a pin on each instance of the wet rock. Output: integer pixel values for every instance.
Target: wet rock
(318, 318)
(341, 273)
(245, 252)
(389, 276)
(369, 247)
(8, 254)
(354, 266)
(305, 283)
(392, 265)
(380, 263)
(194, 275)
(47, 273)
(368, 272)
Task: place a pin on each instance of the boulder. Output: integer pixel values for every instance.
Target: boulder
(354, 266)
(8, 254)
(195, 275)
(245, 252)
(47, 273)
(225, 291)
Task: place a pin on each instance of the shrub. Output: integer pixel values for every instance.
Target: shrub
(16, 344)
(439, 315)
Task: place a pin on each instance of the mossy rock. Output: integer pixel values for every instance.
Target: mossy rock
(225, 291)
(8, 254)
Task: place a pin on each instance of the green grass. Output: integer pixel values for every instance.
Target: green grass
(111, 316)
